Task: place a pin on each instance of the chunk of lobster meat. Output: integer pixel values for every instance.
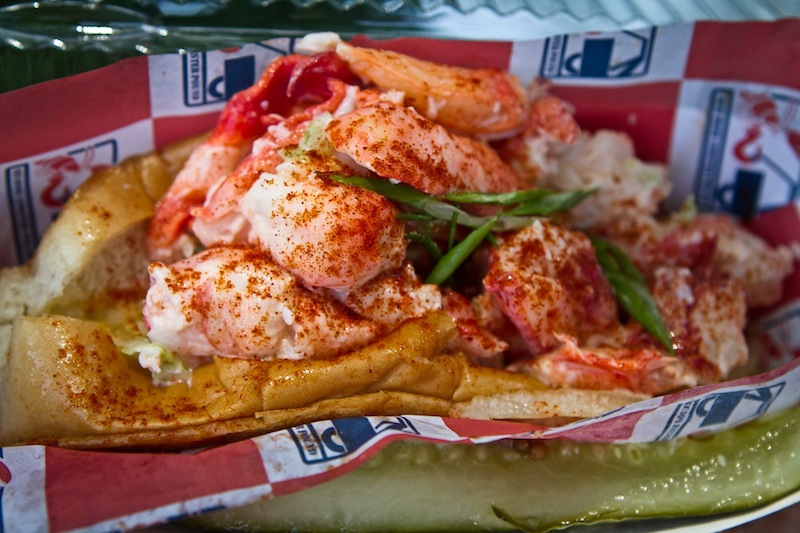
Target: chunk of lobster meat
(547, 281)
(235, 302)
(220, 221)
(705, 318)
(552, 115)
(325, 233)
(708, 244)
(399, 294)
(626, 186)
(650, 243)
(476, 341)
(206, 164)
(760, 268)
(550, 127)
(287, 85)
(491, 317)
(486, 103)
(392, 296)
(644, 370)
(398, 143)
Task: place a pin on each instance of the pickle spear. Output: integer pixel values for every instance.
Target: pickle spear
(540, 486)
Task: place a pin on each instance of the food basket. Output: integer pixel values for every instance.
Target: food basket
(680, 86)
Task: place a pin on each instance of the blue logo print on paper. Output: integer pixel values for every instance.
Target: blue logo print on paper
(719, 409)
(213, 77)
(623, 54)
(203, 86)
(751, 144)
(325, 441)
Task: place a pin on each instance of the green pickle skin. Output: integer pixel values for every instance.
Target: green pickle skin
(540, 485)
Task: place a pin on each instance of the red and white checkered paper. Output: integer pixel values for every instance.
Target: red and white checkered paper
(718, 102)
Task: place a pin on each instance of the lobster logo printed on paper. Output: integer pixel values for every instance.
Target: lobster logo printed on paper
(719, 410)
(5, 476)
(5, 479)
(329, 440)
(623, 54)
(750, 155)
(37, 189)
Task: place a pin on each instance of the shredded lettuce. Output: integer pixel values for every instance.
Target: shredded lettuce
(165, 367)
(314, 138)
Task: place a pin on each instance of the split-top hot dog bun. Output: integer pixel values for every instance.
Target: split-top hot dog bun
(65, 381)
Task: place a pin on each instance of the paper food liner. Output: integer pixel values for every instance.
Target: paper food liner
(718, 102)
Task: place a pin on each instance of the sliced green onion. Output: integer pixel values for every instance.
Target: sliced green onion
(542, 202)
(529, 204)
(502, 198)
(415, 217)
(630, 288)
(551, 203)
(405, 194)
(451, 238)
(459, 253)
(427, 242)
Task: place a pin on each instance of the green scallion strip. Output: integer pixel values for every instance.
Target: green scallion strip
(551, 203)
(451, 237)
(414, 217)
(405, 194)
(502, 198)
(529, 203)
(459, 253)
(630, 288)
(427, 243)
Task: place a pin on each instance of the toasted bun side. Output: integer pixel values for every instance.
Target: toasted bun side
(225, 431)
(89, 263)
(66, 383)
(94, 243)
(65, 377)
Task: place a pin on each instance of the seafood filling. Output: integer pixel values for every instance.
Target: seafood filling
(355, 188)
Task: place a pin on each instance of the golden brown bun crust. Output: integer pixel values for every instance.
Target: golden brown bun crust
(66, 383)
